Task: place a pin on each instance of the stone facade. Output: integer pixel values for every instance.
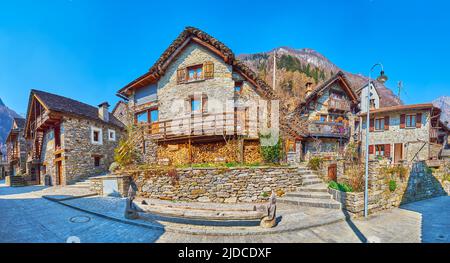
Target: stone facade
(414, 140)
(172, 102)
(77, 150)
(335, 130)
(419, 183)
(123, 184)
(229, 185)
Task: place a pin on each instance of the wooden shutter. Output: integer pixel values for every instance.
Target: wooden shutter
(419, 120)
(181, 75)
(387, 150)
(386, 123)
(371, 149)
(208, 69)
(402, 121)
(372, 125)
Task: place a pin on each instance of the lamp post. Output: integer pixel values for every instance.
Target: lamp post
(382, 79)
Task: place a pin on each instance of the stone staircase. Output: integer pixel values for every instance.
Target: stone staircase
(312, 193)
(17, 181)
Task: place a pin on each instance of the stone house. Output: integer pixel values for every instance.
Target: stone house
(200, 104)
(330, 110)
(70, 140)
(16, 148)
(404, 132)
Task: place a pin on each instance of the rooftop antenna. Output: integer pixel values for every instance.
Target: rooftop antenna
(400, 86)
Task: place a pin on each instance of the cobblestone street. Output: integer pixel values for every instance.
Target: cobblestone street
(27, 217)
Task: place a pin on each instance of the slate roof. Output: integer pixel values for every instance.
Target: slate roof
(66, 105)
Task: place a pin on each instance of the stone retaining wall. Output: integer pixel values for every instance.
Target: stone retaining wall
(418, 184)
(221, 185)
(123, 184)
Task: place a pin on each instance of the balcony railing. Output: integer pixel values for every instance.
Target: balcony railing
(338, 104)
(329, 129)
(203, 125)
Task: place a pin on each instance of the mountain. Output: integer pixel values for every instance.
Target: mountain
(6, 117)
(297, 67)
(443, 103)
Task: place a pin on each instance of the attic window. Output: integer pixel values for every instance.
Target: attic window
(195, 73)
(237, 87)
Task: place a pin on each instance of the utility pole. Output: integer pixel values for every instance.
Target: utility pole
(274, 69)
(400, 86)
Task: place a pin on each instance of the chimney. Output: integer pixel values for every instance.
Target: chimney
(103, 112)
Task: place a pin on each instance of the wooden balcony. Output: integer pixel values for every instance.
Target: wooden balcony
(338, 105)
(203, 126)
(329, 129)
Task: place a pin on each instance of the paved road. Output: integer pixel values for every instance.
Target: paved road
(26, 217)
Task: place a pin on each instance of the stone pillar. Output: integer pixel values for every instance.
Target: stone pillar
(374, 174)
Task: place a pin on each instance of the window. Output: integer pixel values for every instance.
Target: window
(411, 120)
(142, 117)
(96, 161)
(148, 116)
(195, 105)
(379, 124)
(96, 135)
(379, 150)
(237, 87)
(372, 103)
(154, 116)
(195, 73)
(323, 118)
(111, 135)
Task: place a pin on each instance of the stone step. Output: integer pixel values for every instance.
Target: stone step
(201, 214)
(321, 188)
(312, 182)
(310, 176)
(310, 202)
(318, 195)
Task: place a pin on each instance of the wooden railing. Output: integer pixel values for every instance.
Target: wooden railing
(330, 129)
(201, 125)
(434, 132)
(338, 104)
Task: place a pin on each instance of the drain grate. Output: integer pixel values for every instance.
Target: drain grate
(80, 219)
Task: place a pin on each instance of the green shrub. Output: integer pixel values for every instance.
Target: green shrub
(315, 163)
(392, 185)
(265, 194)
(270, 153)
(341, 187)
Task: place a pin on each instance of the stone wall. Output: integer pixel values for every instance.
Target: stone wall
(419, 183)
(220, 185)
(80, 151)
(47, 157)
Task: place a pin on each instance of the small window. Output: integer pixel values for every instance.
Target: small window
(195, 73)
(97, 161)
(154, 116)
(96, 135)
(372, 103)
(379, 124)
(411, 120)
(379, 150)
(111, 135)
(195, 105)
(323, 118)
(238, 87)
(142, 117)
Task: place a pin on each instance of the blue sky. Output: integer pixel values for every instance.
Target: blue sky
(88, 49)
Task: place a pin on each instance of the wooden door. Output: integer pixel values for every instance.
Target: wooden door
(59, 171)
(398, 152)
(332, 172)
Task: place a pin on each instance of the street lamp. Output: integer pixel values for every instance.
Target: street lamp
(382, 78)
